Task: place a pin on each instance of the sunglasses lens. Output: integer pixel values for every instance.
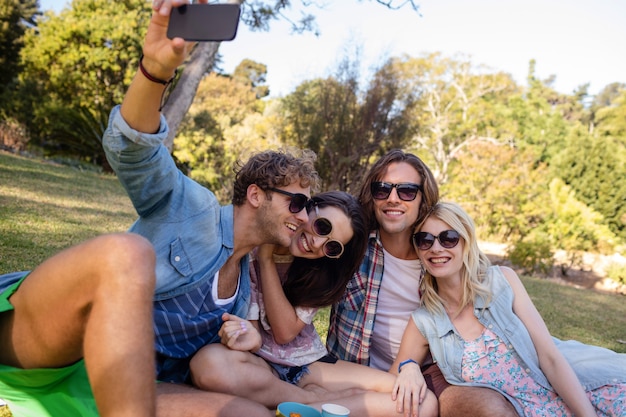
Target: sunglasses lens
(449, 238)
(333, 249)
(407, 192)
(380, 190)
(423, 240)
(298, 203)
(322, 226)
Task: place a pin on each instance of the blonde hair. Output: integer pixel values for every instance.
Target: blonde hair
(475, 262)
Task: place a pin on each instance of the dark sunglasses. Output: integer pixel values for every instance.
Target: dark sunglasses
(448, 239)
(323, 227)
(298, 201)
(407, 191)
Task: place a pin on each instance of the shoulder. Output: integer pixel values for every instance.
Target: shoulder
(510, 275)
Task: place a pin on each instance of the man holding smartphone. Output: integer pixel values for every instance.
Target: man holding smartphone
(201, 247)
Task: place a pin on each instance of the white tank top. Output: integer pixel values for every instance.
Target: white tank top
(397, 299)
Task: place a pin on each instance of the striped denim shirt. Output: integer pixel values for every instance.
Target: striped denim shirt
(192, 235)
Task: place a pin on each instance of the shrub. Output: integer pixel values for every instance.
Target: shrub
(617, 272)
(533, 254)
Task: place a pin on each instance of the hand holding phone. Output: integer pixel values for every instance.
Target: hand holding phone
(204, 22)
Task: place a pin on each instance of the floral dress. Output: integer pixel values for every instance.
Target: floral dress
(488, 360)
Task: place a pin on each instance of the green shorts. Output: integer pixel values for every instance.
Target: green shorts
(49, 392)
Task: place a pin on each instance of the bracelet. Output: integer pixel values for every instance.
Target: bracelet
(153, 78)
(405, 362)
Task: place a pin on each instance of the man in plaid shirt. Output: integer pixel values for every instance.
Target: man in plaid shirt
(366, 326)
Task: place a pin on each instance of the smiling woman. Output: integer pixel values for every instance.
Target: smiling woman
(492, 327)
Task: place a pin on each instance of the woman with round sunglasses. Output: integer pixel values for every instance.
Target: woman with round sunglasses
(290, 362)
(483, 330)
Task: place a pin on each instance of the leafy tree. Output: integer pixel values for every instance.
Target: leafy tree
(605, 98)
(222, 103)
(457, 105)
(503, 189)
(345, 127)
(611, 119)
(16, 16)
(594, 166)
(83, 58)
(253, 74)
(539, 116)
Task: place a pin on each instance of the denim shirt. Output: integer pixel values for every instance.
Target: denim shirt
(192, 234)
(594, 366)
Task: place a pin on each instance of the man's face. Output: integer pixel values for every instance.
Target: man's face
(278, 222)
(395, 215)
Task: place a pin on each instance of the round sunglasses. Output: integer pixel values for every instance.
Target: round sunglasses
(407, 191)
(298, 201)
(323, 227)
(447, 239)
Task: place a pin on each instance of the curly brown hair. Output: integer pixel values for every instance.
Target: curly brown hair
(275, 168)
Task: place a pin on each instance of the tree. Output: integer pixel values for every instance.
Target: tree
(611, 119)
(81, 60)
(539, 117)
(503, 189)
(221, 106)
(16, 16)
(594, 166)
(457, 105)
(574, 226)
(345, 127)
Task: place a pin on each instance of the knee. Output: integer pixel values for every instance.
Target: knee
(128, 248)
(129, 259)
(209, 368)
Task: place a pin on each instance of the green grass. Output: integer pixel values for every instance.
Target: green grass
(46, 207)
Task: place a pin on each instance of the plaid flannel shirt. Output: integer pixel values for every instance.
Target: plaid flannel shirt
(352, 318)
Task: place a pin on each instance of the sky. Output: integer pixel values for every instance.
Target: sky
(578, 41)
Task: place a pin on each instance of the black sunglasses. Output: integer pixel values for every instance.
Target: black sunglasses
(298, 201)
(448, 239)
(323, 227)
(407, 191)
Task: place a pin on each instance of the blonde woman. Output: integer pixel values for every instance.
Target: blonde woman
(483, 330)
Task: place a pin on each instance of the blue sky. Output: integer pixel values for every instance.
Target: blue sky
(579, 41)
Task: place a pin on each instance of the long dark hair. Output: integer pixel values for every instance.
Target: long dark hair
(321, 282)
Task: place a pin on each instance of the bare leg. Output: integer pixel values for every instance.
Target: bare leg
(378, 404)
(184, 401)
(457, 401)
(94, 301)
(344, 375)
(219, 369)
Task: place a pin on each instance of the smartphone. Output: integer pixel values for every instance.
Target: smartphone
(204, 22)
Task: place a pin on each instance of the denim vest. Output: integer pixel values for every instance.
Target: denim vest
(594, 366)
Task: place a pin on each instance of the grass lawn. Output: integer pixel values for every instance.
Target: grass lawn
(45, 207)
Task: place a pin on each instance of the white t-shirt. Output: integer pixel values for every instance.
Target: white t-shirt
(397, 300)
